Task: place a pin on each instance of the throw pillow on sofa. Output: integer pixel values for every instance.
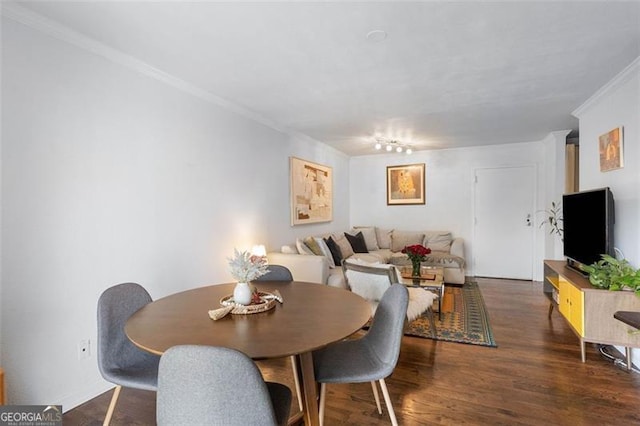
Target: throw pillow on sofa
(303, 248)
(335, 251)
(325, 251)
(384, 237)
(401, 239)
(344, 244)
(438, 241)
(312, 244)
(369, 234)
(357, 242)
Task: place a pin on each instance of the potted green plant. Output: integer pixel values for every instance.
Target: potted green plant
(613, 274)
(553, 217)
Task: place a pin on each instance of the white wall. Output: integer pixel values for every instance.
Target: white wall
(616, 104)
(555, 152)
(449, 190)
(109, 175)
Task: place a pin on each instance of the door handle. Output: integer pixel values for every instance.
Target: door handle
(528, 220)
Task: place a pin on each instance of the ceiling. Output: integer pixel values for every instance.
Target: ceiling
(448, 74)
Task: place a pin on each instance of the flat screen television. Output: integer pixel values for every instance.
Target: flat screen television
(588, 218)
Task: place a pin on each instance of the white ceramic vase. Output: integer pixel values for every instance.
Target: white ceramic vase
(242, 294)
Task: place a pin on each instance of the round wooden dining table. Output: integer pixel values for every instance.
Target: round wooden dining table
(311, 316)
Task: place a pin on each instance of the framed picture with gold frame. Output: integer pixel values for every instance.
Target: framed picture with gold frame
(611, 150)
(406, 184)
(311, 192)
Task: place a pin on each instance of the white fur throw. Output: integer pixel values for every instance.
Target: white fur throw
(368, 286)
(372, 287)
(419, 301)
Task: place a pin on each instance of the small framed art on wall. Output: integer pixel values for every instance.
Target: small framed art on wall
(406, 184)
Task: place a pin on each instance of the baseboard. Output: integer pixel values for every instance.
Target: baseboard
(92, 390)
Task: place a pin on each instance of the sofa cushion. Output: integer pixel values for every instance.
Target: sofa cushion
(357, 242)
(435, 258)
(444, 259)
(371, 257)
(303, 248)
(401, 239)
(369, 234)
(438, 240)
(384, 238)
(344, 244)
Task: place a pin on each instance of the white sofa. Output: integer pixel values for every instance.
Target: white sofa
(383, 246)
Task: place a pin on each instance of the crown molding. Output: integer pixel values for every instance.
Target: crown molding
(61, 32)
(611, 85)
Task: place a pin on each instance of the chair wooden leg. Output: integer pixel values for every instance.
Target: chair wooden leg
(323, 399)
(387, 400)
(376, 396)
(432, 322)
(296, 381)
(112, 405)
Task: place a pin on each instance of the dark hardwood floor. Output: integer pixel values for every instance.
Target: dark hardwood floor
(534, 377)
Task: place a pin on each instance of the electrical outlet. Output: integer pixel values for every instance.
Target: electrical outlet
(84, 349)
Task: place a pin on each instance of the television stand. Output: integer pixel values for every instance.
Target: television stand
(588, 310)
(576, 266)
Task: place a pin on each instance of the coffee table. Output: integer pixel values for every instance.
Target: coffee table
(431, 279)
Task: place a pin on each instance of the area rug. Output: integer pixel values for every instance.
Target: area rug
(464, 318)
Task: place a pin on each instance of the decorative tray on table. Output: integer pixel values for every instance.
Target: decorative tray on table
(266, 301)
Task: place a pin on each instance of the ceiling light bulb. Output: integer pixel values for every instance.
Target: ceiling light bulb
(399, 149)
(389, 148)
(378, 145)
(409, 151)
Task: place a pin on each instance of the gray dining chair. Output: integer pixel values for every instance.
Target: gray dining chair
(207, 385)
(369, 358)
(276, 273)
(120, 361)
(282, 273)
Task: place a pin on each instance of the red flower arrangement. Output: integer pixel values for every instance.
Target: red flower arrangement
(417, 253)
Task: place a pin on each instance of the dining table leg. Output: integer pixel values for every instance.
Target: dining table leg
(309, 391)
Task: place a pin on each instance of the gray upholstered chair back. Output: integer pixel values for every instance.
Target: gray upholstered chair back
(200, 385)
(277, 273)
(386, 331)
(115, 351)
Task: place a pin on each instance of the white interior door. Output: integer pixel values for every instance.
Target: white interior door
(503, 230)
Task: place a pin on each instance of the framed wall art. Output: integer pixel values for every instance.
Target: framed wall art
(610, 148)
(311, 192)
(406, 184)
